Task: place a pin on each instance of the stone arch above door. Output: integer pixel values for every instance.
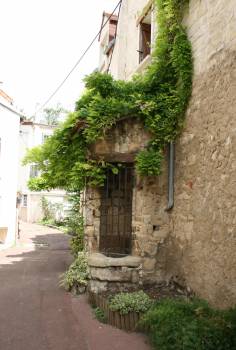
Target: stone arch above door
(122, 142)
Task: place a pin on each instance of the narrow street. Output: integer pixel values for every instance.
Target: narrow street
(36, 313)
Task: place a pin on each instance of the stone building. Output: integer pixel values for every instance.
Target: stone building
(194, 241)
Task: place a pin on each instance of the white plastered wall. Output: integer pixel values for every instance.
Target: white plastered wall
(31, 135)
(125, 60)
(9, 134)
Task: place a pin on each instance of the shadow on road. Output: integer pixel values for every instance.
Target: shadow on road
(35, 313)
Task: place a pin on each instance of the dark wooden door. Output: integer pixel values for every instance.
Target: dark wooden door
(116, 213)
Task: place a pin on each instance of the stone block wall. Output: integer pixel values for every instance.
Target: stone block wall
(91, 213)
(128, 137)
(204, 216)
(196, 242)
(151, 225)
(202, 252)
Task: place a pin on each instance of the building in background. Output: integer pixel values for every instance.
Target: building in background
(34, 134)
(107, 39)
(9, 156)
(125, 48)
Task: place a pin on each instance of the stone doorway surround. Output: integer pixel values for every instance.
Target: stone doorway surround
(150, 223)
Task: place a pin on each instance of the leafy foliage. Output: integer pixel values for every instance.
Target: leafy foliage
(157, 98)
(74, 224)
(149, 161)
(128, 302)
(52, 116)
(190, 325)
(46, 208)
(100, 315)
(77, 273)
(52, 212)
(37, 184)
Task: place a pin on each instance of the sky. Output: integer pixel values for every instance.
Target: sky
(41, 40)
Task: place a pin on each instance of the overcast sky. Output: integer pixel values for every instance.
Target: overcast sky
(41, 40)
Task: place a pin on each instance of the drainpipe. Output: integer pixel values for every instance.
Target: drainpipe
(171, 170)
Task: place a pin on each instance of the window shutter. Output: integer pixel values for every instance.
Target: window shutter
(146, 36)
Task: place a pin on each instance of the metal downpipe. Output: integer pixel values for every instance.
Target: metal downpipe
(171, 170)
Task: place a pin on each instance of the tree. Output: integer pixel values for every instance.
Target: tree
(52, 116)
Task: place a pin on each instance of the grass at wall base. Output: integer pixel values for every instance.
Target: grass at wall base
(178, 324)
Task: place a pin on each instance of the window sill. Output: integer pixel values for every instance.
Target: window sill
(144, 64)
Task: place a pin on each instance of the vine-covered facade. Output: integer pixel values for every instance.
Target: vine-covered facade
(158, 98)
(194, 242)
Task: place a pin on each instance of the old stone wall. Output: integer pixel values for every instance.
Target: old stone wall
(196, 242)
(129, 136)
(202, 252)
(151, 225)
(91, 208)
(204, 216)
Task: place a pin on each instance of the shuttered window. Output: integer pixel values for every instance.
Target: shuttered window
(145, 41)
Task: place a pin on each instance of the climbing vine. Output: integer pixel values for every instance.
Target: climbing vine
(158, 98)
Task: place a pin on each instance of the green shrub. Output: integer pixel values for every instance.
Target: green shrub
(190, 325)
(77, 241)
(128, 302)
(48, 212)
(52, 212)
(75, 225)
(100, 315)
(77, 275)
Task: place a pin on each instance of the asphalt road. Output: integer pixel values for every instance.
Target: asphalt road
(36, 313)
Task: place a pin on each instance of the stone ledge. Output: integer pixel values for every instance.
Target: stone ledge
(114, 274)
(100, 260)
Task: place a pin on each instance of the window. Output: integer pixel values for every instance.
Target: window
(112, 37)
(112, 29)
(145, 34)
(34, 171)
(25, 198)
(45, 137)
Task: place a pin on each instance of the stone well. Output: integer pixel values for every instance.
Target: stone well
(118, 274)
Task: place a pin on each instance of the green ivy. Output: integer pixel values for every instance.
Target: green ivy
(100, 315)
(75, 224)
(158, 99)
